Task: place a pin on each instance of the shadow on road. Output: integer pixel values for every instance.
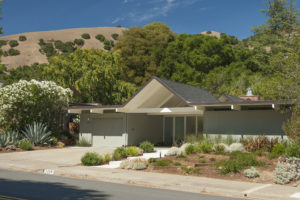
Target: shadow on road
(42, 190)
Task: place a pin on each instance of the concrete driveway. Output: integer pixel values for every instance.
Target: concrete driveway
(51, 158)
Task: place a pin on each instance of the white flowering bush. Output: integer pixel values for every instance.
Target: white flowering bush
(174, 151)
(287, 170)
(24, 102)
(251, 172)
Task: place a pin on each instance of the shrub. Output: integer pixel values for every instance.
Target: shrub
(189, 170)
(79, 42)
(30, 98)
(3, 43)
(4, 140)
(174, 151)
(186, 170)
(190, 149)
(5, 54)
(212, 159)
(37, 133)
(120, 153)
(202, 156)
(278, 150)
(91, 159)
(259, 143)
(152, 160)
(67, 47)
(100, 37)
(132, 151)
(287, 170)
(258, 152)
(86, 36)
(13, 43)
(237, 162)
(291, 127)
(293, 150)
(83, 142)
(139, 165)
(107, 45)
(194, 139)
(251, 173)
(220, 148)
(25, 145)
(22, 38)
(53, 140)
(163, 163)
(147, 147)
(177, 164)
(202, 161)
(115, 36)
(47, 48)
(205, 147)
(13, 52)
(107, 158)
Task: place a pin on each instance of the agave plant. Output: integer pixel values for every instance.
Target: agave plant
(13, 137)
(37, 133)
(4, 140)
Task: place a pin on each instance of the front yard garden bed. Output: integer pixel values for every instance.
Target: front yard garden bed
(204, 165)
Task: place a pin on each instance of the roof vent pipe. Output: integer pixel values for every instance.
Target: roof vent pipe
(249, 92)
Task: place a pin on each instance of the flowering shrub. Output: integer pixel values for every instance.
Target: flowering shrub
(24, 102)
(287, 170)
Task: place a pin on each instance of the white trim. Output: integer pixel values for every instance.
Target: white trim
(74, 111)
(98, 111)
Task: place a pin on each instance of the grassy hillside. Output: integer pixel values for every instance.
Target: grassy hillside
(30, 49)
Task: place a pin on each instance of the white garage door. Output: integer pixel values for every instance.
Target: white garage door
(108, 132)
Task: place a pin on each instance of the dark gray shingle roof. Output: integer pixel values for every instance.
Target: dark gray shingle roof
(188, 93)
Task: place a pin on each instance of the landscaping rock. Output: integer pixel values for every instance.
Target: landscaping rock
(236, 147)
(174, 151)
(10, 148)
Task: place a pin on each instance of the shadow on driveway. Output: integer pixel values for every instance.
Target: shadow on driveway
(45, 191)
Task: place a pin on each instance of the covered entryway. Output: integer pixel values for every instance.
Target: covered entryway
(108, 132)
(177, 128)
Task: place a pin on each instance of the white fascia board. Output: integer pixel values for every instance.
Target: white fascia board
(74, 111)
(163, 110)
(96, 110)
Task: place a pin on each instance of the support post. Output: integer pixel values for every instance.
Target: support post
(184, 127)
(196, 126)
(173, 130)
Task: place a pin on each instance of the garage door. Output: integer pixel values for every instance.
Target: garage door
(108, 132)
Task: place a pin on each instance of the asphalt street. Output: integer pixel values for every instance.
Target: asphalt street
(23, 185)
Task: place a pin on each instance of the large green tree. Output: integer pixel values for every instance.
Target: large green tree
(142, 49)
(282, 17)
(93, 75)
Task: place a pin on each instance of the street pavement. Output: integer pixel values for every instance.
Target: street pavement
(25, 185)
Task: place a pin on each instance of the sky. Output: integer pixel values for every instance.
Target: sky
(233, 17)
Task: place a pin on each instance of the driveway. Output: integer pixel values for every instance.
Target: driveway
(50, 158)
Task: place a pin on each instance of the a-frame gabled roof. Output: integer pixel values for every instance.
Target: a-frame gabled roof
(188, 93)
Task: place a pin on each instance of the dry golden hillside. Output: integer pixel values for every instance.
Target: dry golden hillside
(29, 49)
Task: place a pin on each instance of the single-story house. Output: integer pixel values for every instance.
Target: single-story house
(166, 111)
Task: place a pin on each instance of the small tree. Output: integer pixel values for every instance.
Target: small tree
(22, 38)
(79, 42)
(25, 102)
(86, 36)
(100, 37)
(291, 127)
(13, 43)
(13, 52)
